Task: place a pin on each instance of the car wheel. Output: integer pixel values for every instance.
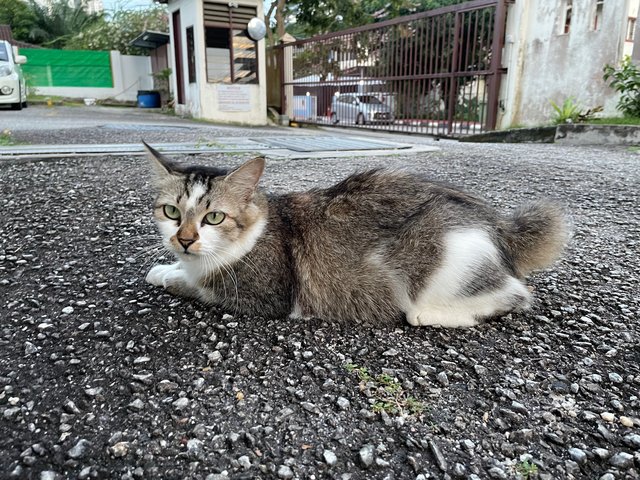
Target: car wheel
(360, 119)
(334, 118)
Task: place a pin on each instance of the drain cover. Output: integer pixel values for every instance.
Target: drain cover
(326, 144)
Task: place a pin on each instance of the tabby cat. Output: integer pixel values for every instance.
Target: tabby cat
(376, 247)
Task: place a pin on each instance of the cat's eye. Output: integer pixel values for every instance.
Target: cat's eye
(171, 212)
(214, 218)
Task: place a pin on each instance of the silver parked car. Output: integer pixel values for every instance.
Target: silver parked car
(359, 109)
(13, 89)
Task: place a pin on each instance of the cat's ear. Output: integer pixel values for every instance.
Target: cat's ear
(162, 166)
(244, 179)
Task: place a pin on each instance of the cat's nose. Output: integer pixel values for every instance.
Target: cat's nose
(186, 242)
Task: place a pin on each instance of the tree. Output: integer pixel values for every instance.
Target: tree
(306, 18)
(123, 26)
(54, 25)
(19, 16)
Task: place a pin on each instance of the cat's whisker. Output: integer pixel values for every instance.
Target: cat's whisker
(222, 268)
(151, 256)
(231, 274)
(147, 250)
(245, 261)
(217, 269)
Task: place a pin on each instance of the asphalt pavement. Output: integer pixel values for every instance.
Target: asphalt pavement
(105, 376)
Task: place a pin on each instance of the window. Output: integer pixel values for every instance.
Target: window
(4, 56)
(231, 54)
(631, 29)
(597, 15)
(191, 55)
(567, 10)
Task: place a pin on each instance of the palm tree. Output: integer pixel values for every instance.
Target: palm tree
(54, 24)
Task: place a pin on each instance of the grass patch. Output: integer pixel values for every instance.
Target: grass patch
(208, 143)
(5, 139)
(387, 392)
(55, 100)
(615, 121)
(526, 469)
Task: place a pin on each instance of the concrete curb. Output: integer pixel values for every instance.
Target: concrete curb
(567, 134)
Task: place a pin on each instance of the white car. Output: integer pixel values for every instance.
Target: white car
(359, 109)
(13, 89)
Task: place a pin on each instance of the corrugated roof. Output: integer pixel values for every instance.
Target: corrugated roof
(150, 39)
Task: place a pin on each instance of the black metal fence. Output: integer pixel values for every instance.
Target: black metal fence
(435, 72)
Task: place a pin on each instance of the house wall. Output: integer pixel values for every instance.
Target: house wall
(632, 12)
(545, 64)
(130, 73)
(201, 97)
(190, 15)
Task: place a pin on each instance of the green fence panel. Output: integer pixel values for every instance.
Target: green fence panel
(67, 68)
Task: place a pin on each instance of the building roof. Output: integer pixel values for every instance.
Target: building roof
(150, 39)
(7, 34)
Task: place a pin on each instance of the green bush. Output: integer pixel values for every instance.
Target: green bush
(568, 112)
(626, 80)
(572, 112)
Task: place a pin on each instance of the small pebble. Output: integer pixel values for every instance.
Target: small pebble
(607, 416)
(80, 449)
(244, 462)
(343, 403)
(285, 472)
(578, 455)
(366, 455)
(181, 403)
(621, 460)
(615, 378)
(120, 449)
(29, 348)
(626, 421)
(330, 458)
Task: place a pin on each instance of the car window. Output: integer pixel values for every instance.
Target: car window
(369, 99)
(4, 55)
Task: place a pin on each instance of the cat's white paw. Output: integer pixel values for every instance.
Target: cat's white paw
(166, 275)
(443, 318)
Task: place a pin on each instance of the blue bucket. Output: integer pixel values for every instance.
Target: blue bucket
(148, 99)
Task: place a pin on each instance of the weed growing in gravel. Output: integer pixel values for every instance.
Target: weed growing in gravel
(526, 469)
(387, 391)
(5, 138)
(207, 143)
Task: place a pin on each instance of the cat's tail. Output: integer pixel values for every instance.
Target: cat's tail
(536, 234)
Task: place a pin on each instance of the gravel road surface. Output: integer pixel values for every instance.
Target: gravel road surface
(103, 376)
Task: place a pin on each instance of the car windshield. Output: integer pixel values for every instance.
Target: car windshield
(369, 99)
(4, 55)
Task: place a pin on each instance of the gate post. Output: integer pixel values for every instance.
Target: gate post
(453, 80)
(495, 70)
(287, 79)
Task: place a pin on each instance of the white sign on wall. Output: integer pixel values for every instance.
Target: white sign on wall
(234, 98)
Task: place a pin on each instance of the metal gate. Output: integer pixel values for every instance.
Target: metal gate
(436, 72)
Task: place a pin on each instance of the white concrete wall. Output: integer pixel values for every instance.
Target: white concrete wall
(130, 73)
(201, 98)
(190, 16)
(544, 64)
(632, 11)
